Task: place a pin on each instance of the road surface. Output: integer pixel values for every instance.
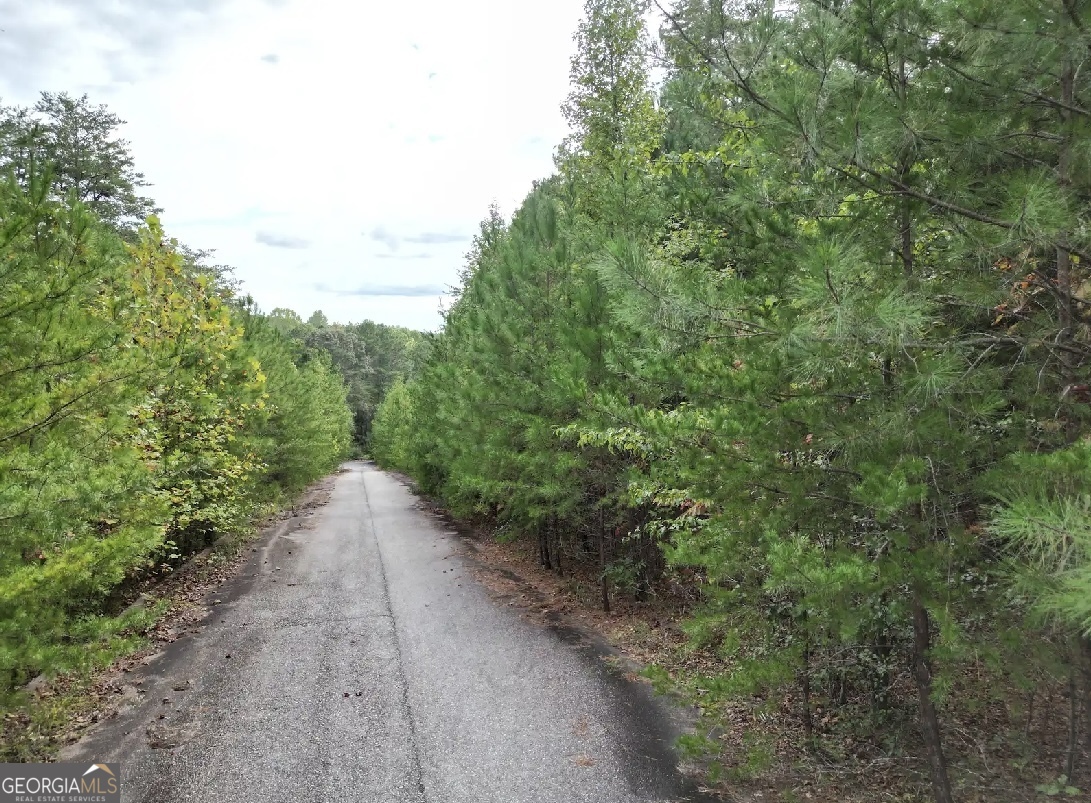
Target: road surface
(356, 659)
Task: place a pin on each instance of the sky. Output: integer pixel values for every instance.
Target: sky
(340, 155)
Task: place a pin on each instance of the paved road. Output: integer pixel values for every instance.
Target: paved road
(357, 660)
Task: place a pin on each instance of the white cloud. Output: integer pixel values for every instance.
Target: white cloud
(322, 118)
(380, 235)
(433, 291)
(281, 240)
(437, 238)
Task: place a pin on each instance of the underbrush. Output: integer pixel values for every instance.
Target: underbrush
(1005, 711)
(151, 609)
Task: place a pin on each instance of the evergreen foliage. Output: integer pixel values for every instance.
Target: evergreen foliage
(813, 324)
(144, 410)
(77, 143)
(369, 356)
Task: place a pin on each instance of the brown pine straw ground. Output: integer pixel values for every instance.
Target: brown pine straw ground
(995, 752)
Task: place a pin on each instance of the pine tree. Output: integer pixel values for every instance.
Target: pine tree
(77, 143)
(137, 422)
(797, 328)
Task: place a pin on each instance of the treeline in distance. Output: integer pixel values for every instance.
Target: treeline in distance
(146, 407)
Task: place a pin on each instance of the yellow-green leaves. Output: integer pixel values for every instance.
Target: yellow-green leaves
(133, 414)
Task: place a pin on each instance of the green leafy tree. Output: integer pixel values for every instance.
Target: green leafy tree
(393, 429)
(142, 413)
(305, 423)
(77, 509)
(370, 358)
(814, 329)
(612, 115)
(78, 142)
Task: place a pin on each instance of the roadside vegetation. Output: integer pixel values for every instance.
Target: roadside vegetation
(147, 410)
(371, 358)
(800, 335)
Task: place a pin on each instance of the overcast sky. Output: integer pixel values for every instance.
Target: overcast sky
(339, 153)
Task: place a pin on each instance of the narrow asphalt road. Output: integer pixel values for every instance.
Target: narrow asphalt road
(356, 659)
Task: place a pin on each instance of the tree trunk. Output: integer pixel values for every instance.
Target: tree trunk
(1030, 713)
(839, 687)
(543, 546)
(1085, 650)
(922, 674)
(1071, 761)
(555, 551)
(805, 697)
(1063, 257)
(880, 692)
(602, 563)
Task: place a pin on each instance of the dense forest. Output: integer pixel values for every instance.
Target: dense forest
(801, 324)
(147, 408)
(371, 358)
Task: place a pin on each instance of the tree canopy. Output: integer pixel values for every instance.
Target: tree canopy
(809, 322)
(145, 409)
